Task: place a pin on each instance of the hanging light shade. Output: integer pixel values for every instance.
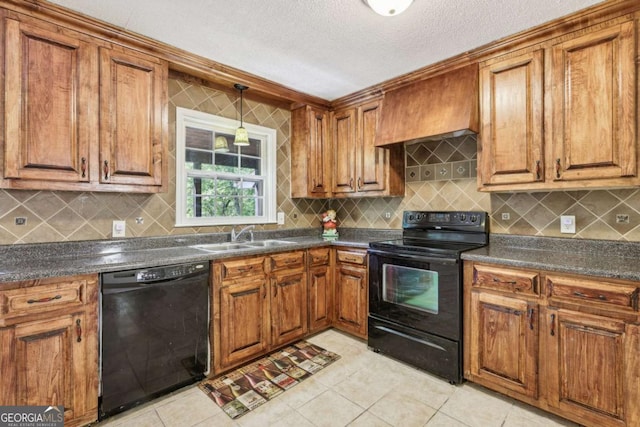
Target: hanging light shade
(388, 7)
(221, 145)
(242, 136)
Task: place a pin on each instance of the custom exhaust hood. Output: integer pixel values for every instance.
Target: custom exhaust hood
(435, 108)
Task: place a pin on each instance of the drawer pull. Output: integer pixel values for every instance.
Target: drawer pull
(602, 297)
(553, 325)
(78, 330)
(512, 282)
(47, 299)
(579, 294)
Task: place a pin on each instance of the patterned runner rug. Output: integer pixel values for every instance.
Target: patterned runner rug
(240, 391)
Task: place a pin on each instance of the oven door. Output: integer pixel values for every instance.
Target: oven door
(416, 291)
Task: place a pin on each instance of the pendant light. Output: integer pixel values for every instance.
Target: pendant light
(242, 136)
(221, 145)
(388, 7)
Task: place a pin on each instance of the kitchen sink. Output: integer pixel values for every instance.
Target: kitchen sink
(269, 243)
(234, 246)
(222, 247)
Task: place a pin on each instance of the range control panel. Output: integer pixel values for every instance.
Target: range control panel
(445, 220)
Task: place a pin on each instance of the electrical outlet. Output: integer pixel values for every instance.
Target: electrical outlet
(506, 216)
(20, 220)
(622, 219)
(118, 229)
(568, 224)
(387, 215)
(280, 218)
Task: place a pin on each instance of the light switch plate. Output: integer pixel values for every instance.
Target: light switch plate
(118, 229)
(280, 218)
(568, 224)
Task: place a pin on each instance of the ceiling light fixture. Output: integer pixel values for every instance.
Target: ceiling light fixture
(388, 7)
(242, 136)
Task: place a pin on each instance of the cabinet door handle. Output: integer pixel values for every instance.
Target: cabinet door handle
(106, 170)
(78, 330)
(511, 282)
(558, 168)
(553, 325)
(47, 299)
(530, 313)
(83, 167)
(359, 183)
(538, 177)
(351, 183)
(264, 291)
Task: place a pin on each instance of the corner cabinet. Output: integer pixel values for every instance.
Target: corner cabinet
(334, 154)
(564, 343)
(49, 341)
(80, 114)
(539, 127)
(311, 153)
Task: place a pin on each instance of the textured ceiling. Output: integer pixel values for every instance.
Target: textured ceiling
(326, 48)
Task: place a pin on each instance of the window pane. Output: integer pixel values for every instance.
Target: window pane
(199, 138)
(250, 166)
(198, 160)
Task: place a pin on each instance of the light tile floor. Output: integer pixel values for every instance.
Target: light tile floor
(361, 389)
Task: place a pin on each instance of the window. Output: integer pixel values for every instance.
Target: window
(216, 186)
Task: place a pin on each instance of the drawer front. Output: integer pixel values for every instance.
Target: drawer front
(351, 257)
(287, 260)
(43, 298)
(238, 268)
(319, 256)
(579, 290)
(506, 279)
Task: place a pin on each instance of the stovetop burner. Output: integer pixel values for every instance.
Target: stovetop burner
(439, 233)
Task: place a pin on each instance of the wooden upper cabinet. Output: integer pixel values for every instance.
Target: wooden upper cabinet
(563, 116)
(50, 88)
(344, 146)
(132, 90)
(361, 167)
(81, 114)
(511, 99)
(593, 95)
(310, 153)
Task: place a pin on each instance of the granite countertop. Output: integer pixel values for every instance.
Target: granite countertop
(599, 258)
(37, 261)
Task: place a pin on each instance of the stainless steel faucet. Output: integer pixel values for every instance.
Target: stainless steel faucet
(235, 236)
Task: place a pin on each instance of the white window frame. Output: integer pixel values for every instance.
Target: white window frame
(268, 137)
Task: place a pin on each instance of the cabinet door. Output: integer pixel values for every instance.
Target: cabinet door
(244, 319)
(593, 80)
(319, 153)
(133, 95)
(320, 297)
(344, 150)
(351, 299)
(504, 342)
(288, 307)
(511, 117)
(586, 358)
(373, 161)
(50, 84)
(51, 362)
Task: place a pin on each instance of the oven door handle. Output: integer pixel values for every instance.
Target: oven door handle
(421, 258)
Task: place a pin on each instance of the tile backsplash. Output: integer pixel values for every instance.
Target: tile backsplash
(440, 175)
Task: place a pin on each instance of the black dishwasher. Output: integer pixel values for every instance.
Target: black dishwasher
(154, 333)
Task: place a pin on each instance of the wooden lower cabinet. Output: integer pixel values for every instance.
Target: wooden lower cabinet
(320, 278)
(504, 339)
(50, 346)
(351, 291)
(244, 312)
(574, 350)
(289, 315)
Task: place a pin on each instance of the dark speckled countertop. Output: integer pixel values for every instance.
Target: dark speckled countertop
(35, 261)
(600, 258)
